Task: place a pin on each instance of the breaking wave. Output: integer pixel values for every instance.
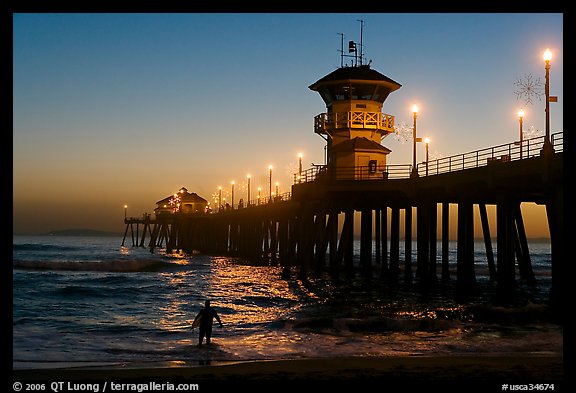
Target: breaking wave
(118, 265)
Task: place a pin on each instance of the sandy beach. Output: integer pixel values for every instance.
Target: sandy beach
(486, 373)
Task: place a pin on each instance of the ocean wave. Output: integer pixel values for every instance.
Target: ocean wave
(41, 247)
(521, 314)
(372, 325)
(118, 265)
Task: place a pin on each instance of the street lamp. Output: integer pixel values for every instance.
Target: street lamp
(426, 141)
(414, 170)
(521, 117)
(248, 203)
(299, 167)
(232, 194)
(125, 207)
(277, 184)
(219, 198)
(547, 148)
(270, 193)
(259, 189)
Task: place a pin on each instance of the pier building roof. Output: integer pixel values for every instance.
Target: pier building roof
(358, 73)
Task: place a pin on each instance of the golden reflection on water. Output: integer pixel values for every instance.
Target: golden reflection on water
(243, 295)
(179, 258)
(174, 314)
(254, 294)
(257, 310)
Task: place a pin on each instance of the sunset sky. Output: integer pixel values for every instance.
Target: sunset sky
(115, 109)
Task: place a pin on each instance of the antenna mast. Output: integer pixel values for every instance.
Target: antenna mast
(361, 37)
(353, 48)
(341, 49)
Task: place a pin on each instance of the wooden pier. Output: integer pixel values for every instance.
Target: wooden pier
(313, 231)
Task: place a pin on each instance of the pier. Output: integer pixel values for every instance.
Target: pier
(311, 230)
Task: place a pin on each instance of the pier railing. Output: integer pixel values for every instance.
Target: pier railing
(493, 155)
(263, 200)
(362, 172)
(513, 151)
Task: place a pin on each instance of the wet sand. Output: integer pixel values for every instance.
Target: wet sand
(461, 373)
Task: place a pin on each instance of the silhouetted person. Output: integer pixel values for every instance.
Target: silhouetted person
(207, 314)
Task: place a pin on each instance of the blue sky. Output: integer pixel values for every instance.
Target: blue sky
(114, 109)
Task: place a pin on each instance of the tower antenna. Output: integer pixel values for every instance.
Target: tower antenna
(361, 39)
(358, 56)
(341, 49)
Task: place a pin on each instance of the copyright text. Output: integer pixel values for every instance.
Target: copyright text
(98, 387)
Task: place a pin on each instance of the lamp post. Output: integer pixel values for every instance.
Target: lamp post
(426, 141)
(277, 184)
(270, 193)
(232, 194)
(125, 207)
(259, 189)
(414, 170)
(547, 147)
(248, 203)
(521, 117)
(219, 198)
(299, 167)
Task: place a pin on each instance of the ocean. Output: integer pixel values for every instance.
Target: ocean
(88, 301)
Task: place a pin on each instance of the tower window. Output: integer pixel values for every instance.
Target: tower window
(372, 166)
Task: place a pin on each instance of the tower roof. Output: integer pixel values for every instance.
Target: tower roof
(360, 144)
(359, 73)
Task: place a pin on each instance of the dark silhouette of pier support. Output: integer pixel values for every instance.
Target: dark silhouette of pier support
(366, 243)
(487, 241)
(408, 244)
(521, 248)
(465, 273)
(133, 224)
(426, 242)
(394, 268)
(383, 243)
(505, 252)
(445, 240)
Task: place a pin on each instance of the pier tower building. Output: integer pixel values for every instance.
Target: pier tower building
(354, 125)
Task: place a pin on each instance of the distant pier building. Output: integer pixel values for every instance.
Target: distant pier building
(182, 201)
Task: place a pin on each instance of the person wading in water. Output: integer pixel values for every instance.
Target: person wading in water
(204, 321)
